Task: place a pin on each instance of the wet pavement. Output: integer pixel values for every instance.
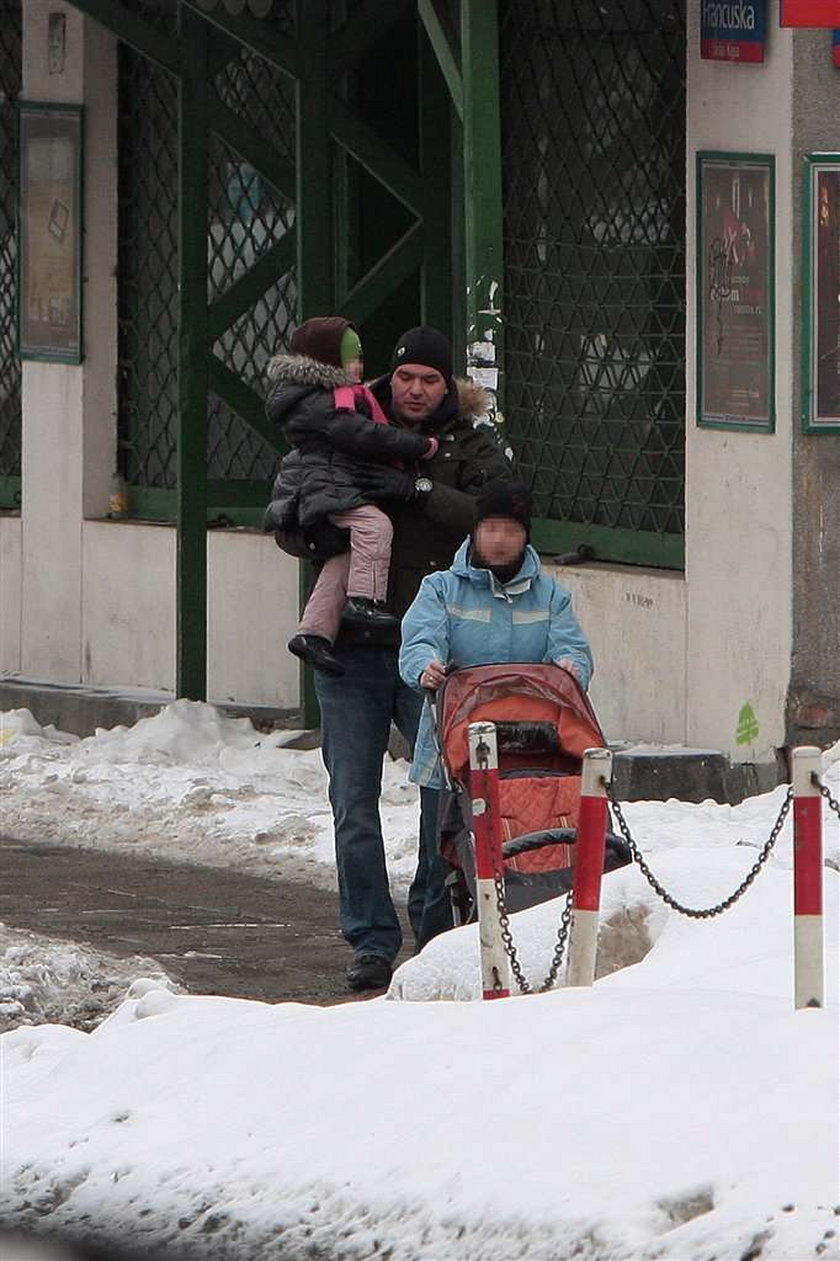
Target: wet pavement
(213, 930)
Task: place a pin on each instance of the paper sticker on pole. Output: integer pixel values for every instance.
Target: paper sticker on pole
(732, 30)
(813, 13)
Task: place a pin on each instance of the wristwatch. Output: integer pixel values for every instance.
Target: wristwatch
(422, 485)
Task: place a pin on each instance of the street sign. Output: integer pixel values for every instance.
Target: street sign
(732, 30)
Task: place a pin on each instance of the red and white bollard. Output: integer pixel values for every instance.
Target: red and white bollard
(807, 879)
(487, 830)
(589, 866)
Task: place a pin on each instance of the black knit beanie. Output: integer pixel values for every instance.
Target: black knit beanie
(505, 499)
(320, 338)
(427, 347)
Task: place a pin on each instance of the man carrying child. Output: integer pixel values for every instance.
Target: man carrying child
(430, 502)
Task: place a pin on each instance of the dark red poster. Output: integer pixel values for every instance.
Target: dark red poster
(735, 304)
(826, 298)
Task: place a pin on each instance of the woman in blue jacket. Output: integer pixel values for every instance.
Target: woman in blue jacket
(494, 604)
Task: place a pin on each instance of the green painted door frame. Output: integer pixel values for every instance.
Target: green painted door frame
(483, 196)
(191, 566)
(319, 62)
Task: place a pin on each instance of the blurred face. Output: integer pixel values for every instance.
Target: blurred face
(499, 541)
(355, 369)
(416, 391)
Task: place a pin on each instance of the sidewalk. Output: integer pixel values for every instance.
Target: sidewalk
(213, 930)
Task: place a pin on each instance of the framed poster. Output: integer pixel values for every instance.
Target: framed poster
(821, 294)
(735, 291)
(50, 232)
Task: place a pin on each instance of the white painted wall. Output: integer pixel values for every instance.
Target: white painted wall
(128, 629)
(634, 619)
(129, 612)
(10, 585)
(252, 612)
(69, 432)
(738, 496)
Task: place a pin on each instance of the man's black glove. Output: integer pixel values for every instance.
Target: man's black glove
(379, 484)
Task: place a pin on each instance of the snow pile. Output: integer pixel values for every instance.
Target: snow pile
(636, 925)
(660, 1114)
(680, 1109)
(189, 784)
(43, 980)
(194, 785)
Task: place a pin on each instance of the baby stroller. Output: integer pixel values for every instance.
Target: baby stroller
(544, 723)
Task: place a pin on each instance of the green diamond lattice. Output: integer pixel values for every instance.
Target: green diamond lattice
(10, 81)
(593, 125)
(248, 216)
(148, 271)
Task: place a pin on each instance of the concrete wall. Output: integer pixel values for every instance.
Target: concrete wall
(814, 700)
(69, 430)
(10, 588)
(635, 620)
(252, 613)
(738, 496)
(129, 612)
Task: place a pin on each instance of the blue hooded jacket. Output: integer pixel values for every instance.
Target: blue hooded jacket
(463, 616)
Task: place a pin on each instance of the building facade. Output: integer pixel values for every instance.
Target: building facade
(625, 239)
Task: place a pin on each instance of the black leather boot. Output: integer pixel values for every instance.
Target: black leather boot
(361, 612)
(317, 651)
(369, 972)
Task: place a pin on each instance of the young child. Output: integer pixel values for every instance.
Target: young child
(335, 427)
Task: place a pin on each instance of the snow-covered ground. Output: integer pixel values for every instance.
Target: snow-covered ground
(44, 980)
(189, 784)
(194, 785)
(679, 1109)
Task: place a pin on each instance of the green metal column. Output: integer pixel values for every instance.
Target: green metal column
(435, 146)
(483, 195)
(191, 597)
(313, 218)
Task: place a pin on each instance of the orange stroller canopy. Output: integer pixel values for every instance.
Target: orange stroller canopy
(515, 692)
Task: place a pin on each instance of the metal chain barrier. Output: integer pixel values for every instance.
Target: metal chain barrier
(824, 792)
(711, 911)
(692, 912)
(510, 949)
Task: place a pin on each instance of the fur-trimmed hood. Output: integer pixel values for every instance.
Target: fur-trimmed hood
(303, 371)
(473, 400)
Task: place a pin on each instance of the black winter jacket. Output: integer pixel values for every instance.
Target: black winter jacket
(319, 476)
(428, 531)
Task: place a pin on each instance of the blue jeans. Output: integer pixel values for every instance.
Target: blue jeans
(356, 713)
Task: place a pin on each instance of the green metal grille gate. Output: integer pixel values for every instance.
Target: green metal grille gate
(593, 128)
(254, 191)
(10, 416)
(267, 175)
(250, 242)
